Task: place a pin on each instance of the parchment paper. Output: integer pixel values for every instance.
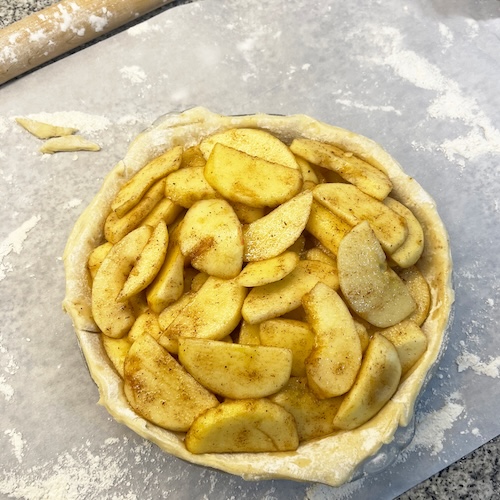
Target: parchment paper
(420, 78)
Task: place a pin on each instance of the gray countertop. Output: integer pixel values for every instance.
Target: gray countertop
(477, 475)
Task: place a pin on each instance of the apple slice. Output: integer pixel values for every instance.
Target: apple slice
(250, 425)
(411, 249)
(278, 298)
(409, 340)
(313, 416)
(236, 371)
(371, 288)
(210, 236)
(152, 379)
(366, 177)
(274, 233)
(254, 142)
(242, 178)
(267, 271)
(354, 206)
(377, 381)
(334, 362)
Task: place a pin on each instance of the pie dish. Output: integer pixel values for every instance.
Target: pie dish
(333, 459)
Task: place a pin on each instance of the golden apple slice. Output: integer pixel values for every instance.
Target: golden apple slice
(147, 322)
(377, 381)
(249, 334)
(289, 334)
(115, 227)
(334, 362)
(132, 192)
(327, 227)
(112, 317)
(267, 271)
(411, 249)
(186, 186)
(210, 236)
(366, 177)
(354, 206)
(277, 231)
(281, 297)
(371, 288)
(250, 180)
(117, 350)
(313, 416)
(160, 390)
(409, 340)
(419, 290)
(254, 142)
(148, 263)
(97, 257)
(211, 313)
(168, 285)
(250, 425)
(236, 371)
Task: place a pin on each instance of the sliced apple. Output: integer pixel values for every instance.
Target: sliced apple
(334, 362)
(236, 371)
(211, 313)
(112, 317)
(168, 285)
(366, 177)
(277, 231)
(313, 416)
(281, 297)
(187, 186)
(253, 181)
(210, 236)
(250, 425)
(148, 263)
(371, 288)
(160, 390)
(327, 227)
(254, 142)
(290, 334)
(354, 206)
(133, 191)
(411, 249)
(419, 290)
(409, 340)
(377, 381)
(267, 271)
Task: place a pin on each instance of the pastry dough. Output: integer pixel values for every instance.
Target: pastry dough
(331, 460)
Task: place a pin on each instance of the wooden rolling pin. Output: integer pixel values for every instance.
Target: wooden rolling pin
(44, 35)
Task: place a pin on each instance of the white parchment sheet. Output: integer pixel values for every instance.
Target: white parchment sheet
(421, 78)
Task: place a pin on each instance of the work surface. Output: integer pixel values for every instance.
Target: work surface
(420, 79)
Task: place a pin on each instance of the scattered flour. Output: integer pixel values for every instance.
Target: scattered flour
(17, 442)
(99, 23)
(133, 73)
(431, 426)
(446, 35)
(14, 243)
(143, 28)
(358, 105)
(490, 368)
(79, 473)
(451, 103)
(6, 389)
(75, 202)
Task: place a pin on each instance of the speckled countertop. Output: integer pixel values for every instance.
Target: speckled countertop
(475, 476)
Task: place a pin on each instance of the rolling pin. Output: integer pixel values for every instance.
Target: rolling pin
(57, 29)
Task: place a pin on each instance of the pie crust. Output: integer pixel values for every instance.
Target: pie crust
(331, 460)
